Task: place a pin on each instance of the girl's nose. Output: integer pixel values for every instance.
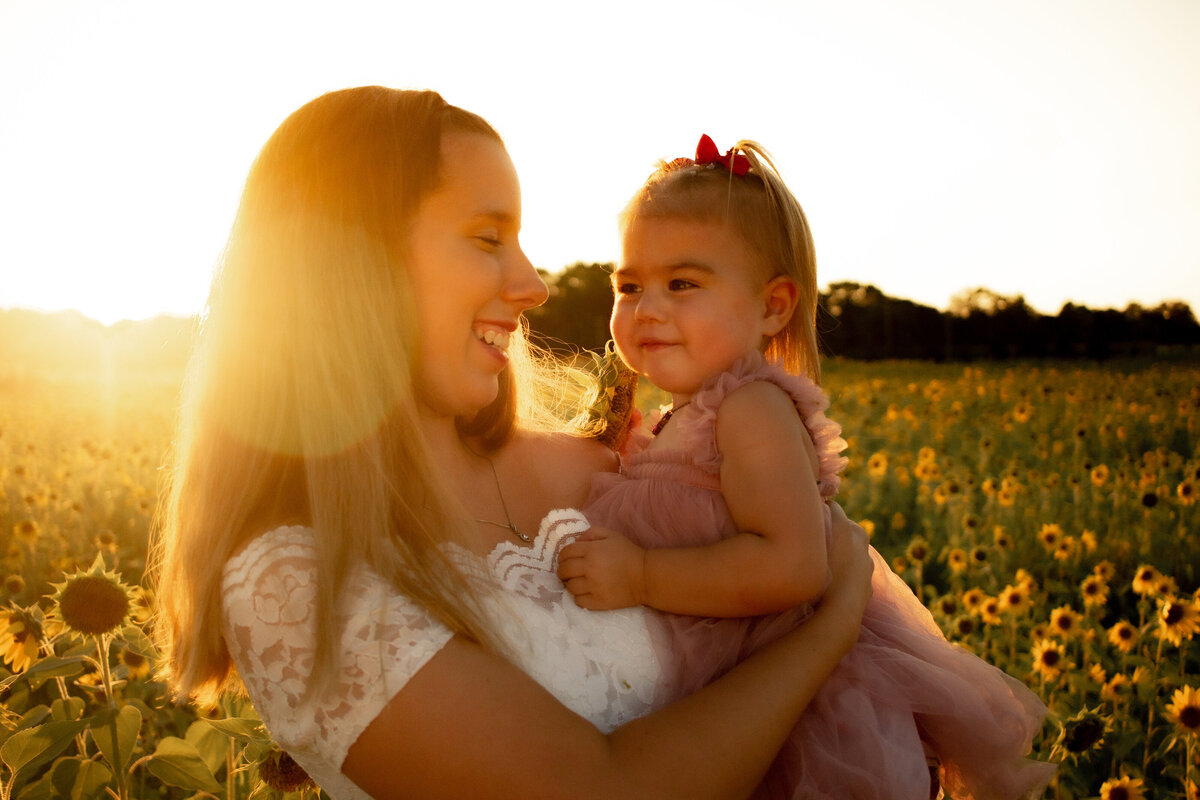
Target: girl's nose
(523, 287)
(649, 307)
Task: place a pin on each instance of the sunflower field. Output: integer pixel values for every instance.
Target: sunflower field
(1045, 513)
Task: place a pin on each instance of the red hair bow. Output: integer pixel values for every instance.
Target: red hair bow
(707, 153)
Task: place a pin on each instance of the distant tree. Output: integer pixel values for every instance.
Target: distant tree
(577, 311)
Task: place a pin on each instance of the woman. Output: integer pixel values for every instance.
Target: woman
(358, 478)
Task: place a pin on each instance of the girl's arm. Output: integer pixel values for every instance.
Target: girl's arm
(777, 561)
(469, 724)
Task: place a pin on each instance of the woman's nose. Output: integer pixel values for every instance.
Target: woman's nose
(523, 287)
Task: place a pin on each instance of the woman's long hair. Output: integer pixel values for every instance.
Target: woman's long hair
(768, 217)
(298, 405)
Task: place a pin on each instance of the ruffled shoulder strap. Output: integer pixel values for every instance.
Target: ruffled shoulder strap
(700, 431)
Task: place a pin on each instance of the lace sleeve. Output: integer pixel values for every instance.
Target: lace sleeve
(268, 599)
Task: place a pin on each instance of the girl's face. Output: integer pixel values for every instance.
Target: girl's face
(690, 300)
(471, 281)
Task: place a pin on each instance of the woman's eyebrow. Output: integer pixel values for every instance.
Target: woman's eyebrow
(497, 216)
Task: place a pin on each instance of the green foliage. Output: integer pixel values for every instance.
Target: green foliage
(974, 461)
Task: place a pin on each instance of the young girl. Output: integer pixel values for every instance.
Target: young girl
(725, 510)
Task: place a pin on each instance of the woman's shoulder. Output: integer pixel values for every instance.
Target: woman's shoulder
(566, 451)
(287, 546)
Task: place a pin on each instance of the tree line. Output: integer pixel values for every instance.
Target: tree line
(861, 322)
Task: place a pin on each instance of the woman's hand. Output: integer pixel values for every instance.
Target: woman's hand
(851, 565)
(603, 570)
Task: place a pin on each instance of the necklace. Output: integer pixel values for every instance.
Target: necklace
(512, 526)
(662, 422)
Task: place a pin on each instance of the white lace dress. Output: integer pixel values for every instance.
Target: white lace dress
(600, 664)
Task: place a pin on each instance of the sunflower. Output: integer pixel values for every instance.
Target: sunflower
(918, 550)
(1064, 622)
(93, 602)
(1178, 620)
(1104, 570)
(141, 604)
(1088, 540)
(956, 559)
(1022, 412)
(1100, 476)
(946, 605)
(137, 664)
(1184, 710)
(1001, 538)
(989, 611)
(1014, 598)
(972, 598)
(1050, 535)
(1094, 590)
(20, 634)
(1166, 586)
(1186, 492)
(14, 584)
(1115, 688)
(1123, 636)
(1123, 788)
(1145, 580)
(281, 772)
(27, 532)
(1065, 549)
(1083, 733)
(877, 465)
(899, 522)
(1049, 659)
(1023, 577)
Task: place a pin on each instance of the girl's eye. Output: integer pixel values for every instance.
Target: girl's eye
(489, 240)
(626, 288)
(678, 284)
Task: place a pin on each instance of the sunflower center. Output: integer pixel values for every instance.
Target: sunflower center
(1172, 613)
(93, 605)
(1050, 658)
(1189, 717)
(1083, 735)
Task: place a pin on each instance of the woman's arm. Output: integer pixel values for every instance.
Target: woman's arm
(777, 561)
(469, 724)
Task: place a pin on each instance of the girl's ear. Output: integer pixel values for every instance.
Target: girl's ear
(779, 303)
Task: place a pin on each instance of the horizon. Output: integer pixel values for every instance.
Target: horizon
(822, 291)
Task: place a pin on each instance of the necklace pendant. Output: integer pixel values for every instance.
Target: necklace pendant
(517, 532)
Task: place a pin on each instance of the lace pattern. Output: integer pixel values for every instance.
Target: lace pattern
(602, 665)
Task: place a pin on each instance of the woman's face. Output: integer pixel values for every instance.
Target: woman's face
(470, 278)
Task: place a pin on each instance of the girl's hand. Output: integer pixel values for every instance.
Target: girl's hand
(603, 570)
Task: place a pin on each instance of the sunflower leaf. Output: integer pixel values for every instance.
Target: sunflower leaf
(177, 762)
(34, 746)
(116, 733)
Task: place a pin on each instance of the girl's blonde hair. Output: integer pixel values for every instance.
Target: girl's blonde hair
(764, 212)
(298, 405)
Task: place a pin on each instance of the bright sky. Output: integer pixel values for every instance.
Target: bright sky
(1040, 147)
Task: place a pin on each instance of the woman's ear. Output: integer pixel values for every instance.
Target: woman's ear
(780, 296)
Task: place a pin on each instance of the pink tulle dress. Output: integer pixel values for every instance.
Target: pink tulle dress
(901, 685)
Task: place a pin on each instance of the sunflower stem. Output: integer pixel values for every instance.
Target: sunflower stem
(102, 650)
